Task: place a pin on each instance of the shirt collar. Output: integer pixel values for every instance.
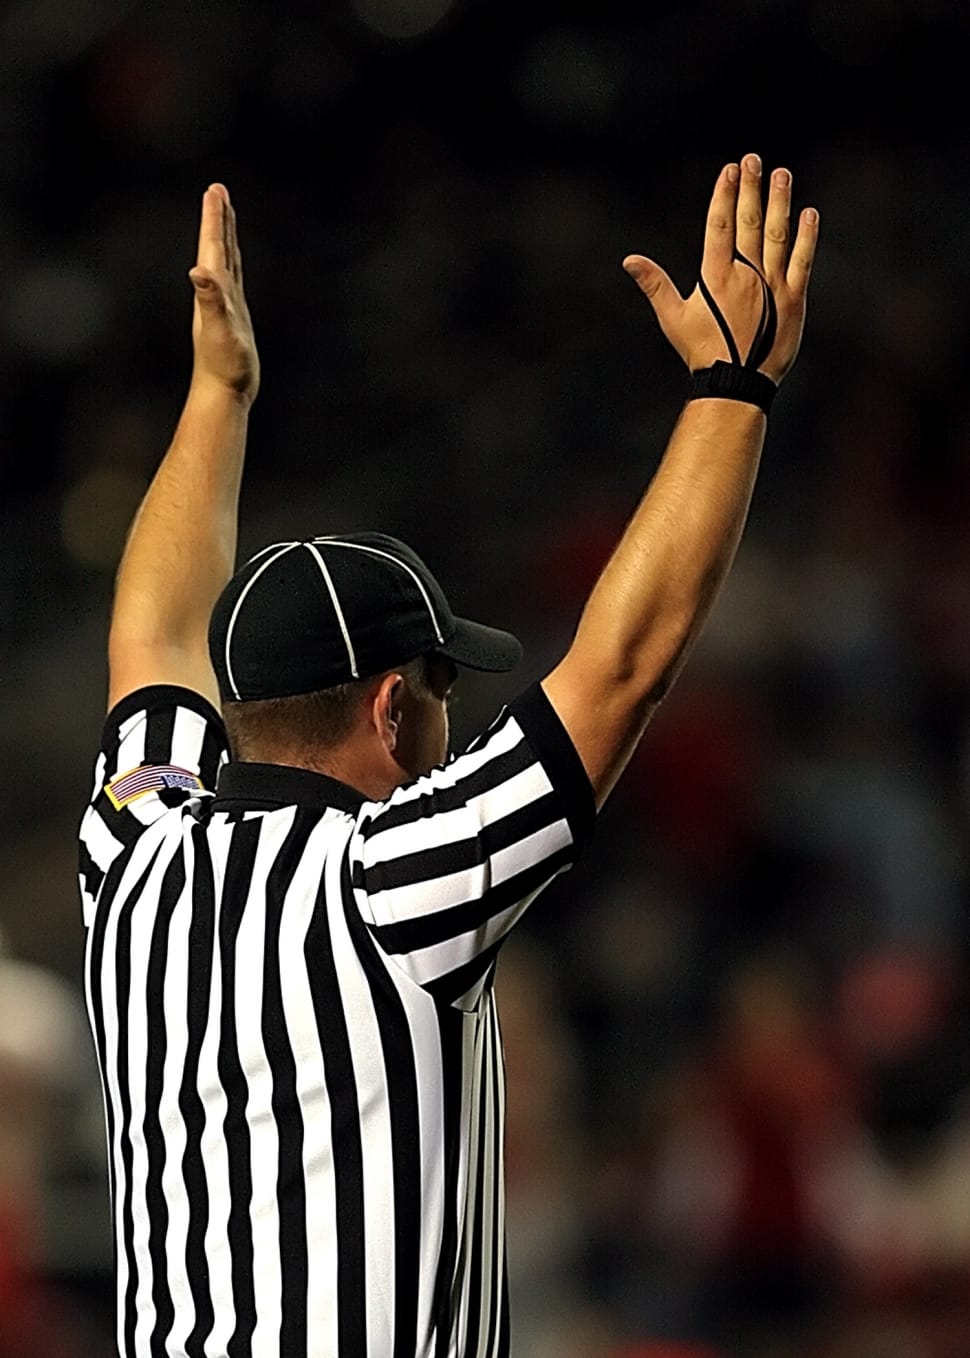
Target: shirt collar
(261, 785)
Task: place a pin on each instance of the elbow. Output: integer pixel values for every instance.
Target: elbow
(661, 687)
(639, 663)
(657, 657)
(665, 645)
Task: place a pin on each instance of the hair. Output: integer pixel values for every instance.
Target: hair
(306, 724)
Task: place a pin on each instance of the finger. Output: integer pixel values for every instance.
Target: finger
(748, 237)
(776, 225)
(656, 286)
(235, 255)
(212, 249)
(803, 252)
(720, 226)
(226, 231)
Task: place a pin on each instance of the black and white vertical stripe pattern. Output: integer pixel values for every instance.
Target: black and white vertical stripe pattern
(290, 994)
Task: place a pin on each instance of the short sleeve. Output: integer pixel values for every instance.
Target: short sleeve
(444, 869)
(161, 747)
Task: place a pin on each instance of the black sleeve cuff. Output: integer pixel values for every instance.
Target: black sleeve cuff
(550, 740)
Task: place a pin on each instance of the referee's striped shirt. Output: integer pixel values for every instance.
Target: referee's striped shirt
(290, 992)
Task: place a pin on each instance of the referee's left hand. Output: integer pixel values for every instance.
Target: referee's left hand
(222, 330)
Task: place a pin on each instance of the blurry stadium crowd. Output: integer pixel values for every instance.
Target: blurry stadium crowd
(738, 1062)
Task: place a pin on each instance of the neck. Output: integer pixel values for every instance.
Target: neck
(347, 766)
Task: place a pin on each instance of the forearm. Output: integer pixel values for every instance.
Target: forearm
(659, 585)
(661, 582)
(181, 547)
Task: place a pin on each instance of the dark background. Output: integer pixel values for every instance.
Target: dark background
(737, 1050)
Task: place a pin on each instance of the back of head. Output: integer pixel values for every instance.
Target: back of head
(306, 729)
(303, 632)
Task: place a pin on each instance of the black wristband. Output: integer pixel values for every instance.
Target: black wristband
(732, 382)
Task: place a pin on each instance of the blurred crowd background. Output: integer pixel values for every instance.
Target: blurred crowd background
(738, 1055)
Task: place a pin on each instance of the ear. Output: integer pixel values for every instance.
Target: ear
(386, 710)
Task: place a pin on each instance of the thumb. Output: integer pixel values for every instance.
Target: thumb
(207, 290)
(654, 283)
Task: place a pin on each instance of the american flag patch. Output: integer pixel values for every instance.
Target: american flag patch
(150, 778)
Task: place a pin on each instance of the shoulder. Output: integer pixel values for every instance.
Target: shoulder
(161, 750)
(524, 756)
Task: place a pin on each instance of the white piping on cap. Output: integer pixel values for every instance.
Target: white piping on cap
(328, 579)
(389, 556)
(263, 550)
(286, 547)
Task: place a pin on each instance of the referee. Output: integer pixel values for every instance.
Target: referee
(294, 899)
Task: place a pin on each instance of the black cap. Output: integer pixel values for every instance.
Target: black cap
(300, 616)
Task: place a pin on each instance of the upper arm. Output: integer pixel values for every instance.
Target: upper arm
(134, 665)
(605, 719)
(445, 868)
(161, 746)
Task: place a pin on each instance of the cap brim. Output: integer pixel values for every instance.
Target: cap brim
(482, 648)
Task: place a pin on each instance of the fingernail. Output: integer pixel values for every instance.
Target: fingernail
(811, 215)
(752, 164)
(782, 178)
(733, 174)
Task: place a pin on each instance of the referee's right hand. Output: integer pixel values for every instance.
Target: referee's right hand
(748, 252)
(222, 331)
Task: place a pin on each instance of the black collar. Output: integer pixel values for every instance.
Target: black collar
(271, 785)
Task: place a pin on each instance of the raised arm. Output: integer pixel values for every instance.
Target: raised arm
(738, 332)
(181, 546)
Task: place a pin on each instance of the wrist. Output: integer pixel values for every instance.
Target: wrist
(213, 392)
(733, 382)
